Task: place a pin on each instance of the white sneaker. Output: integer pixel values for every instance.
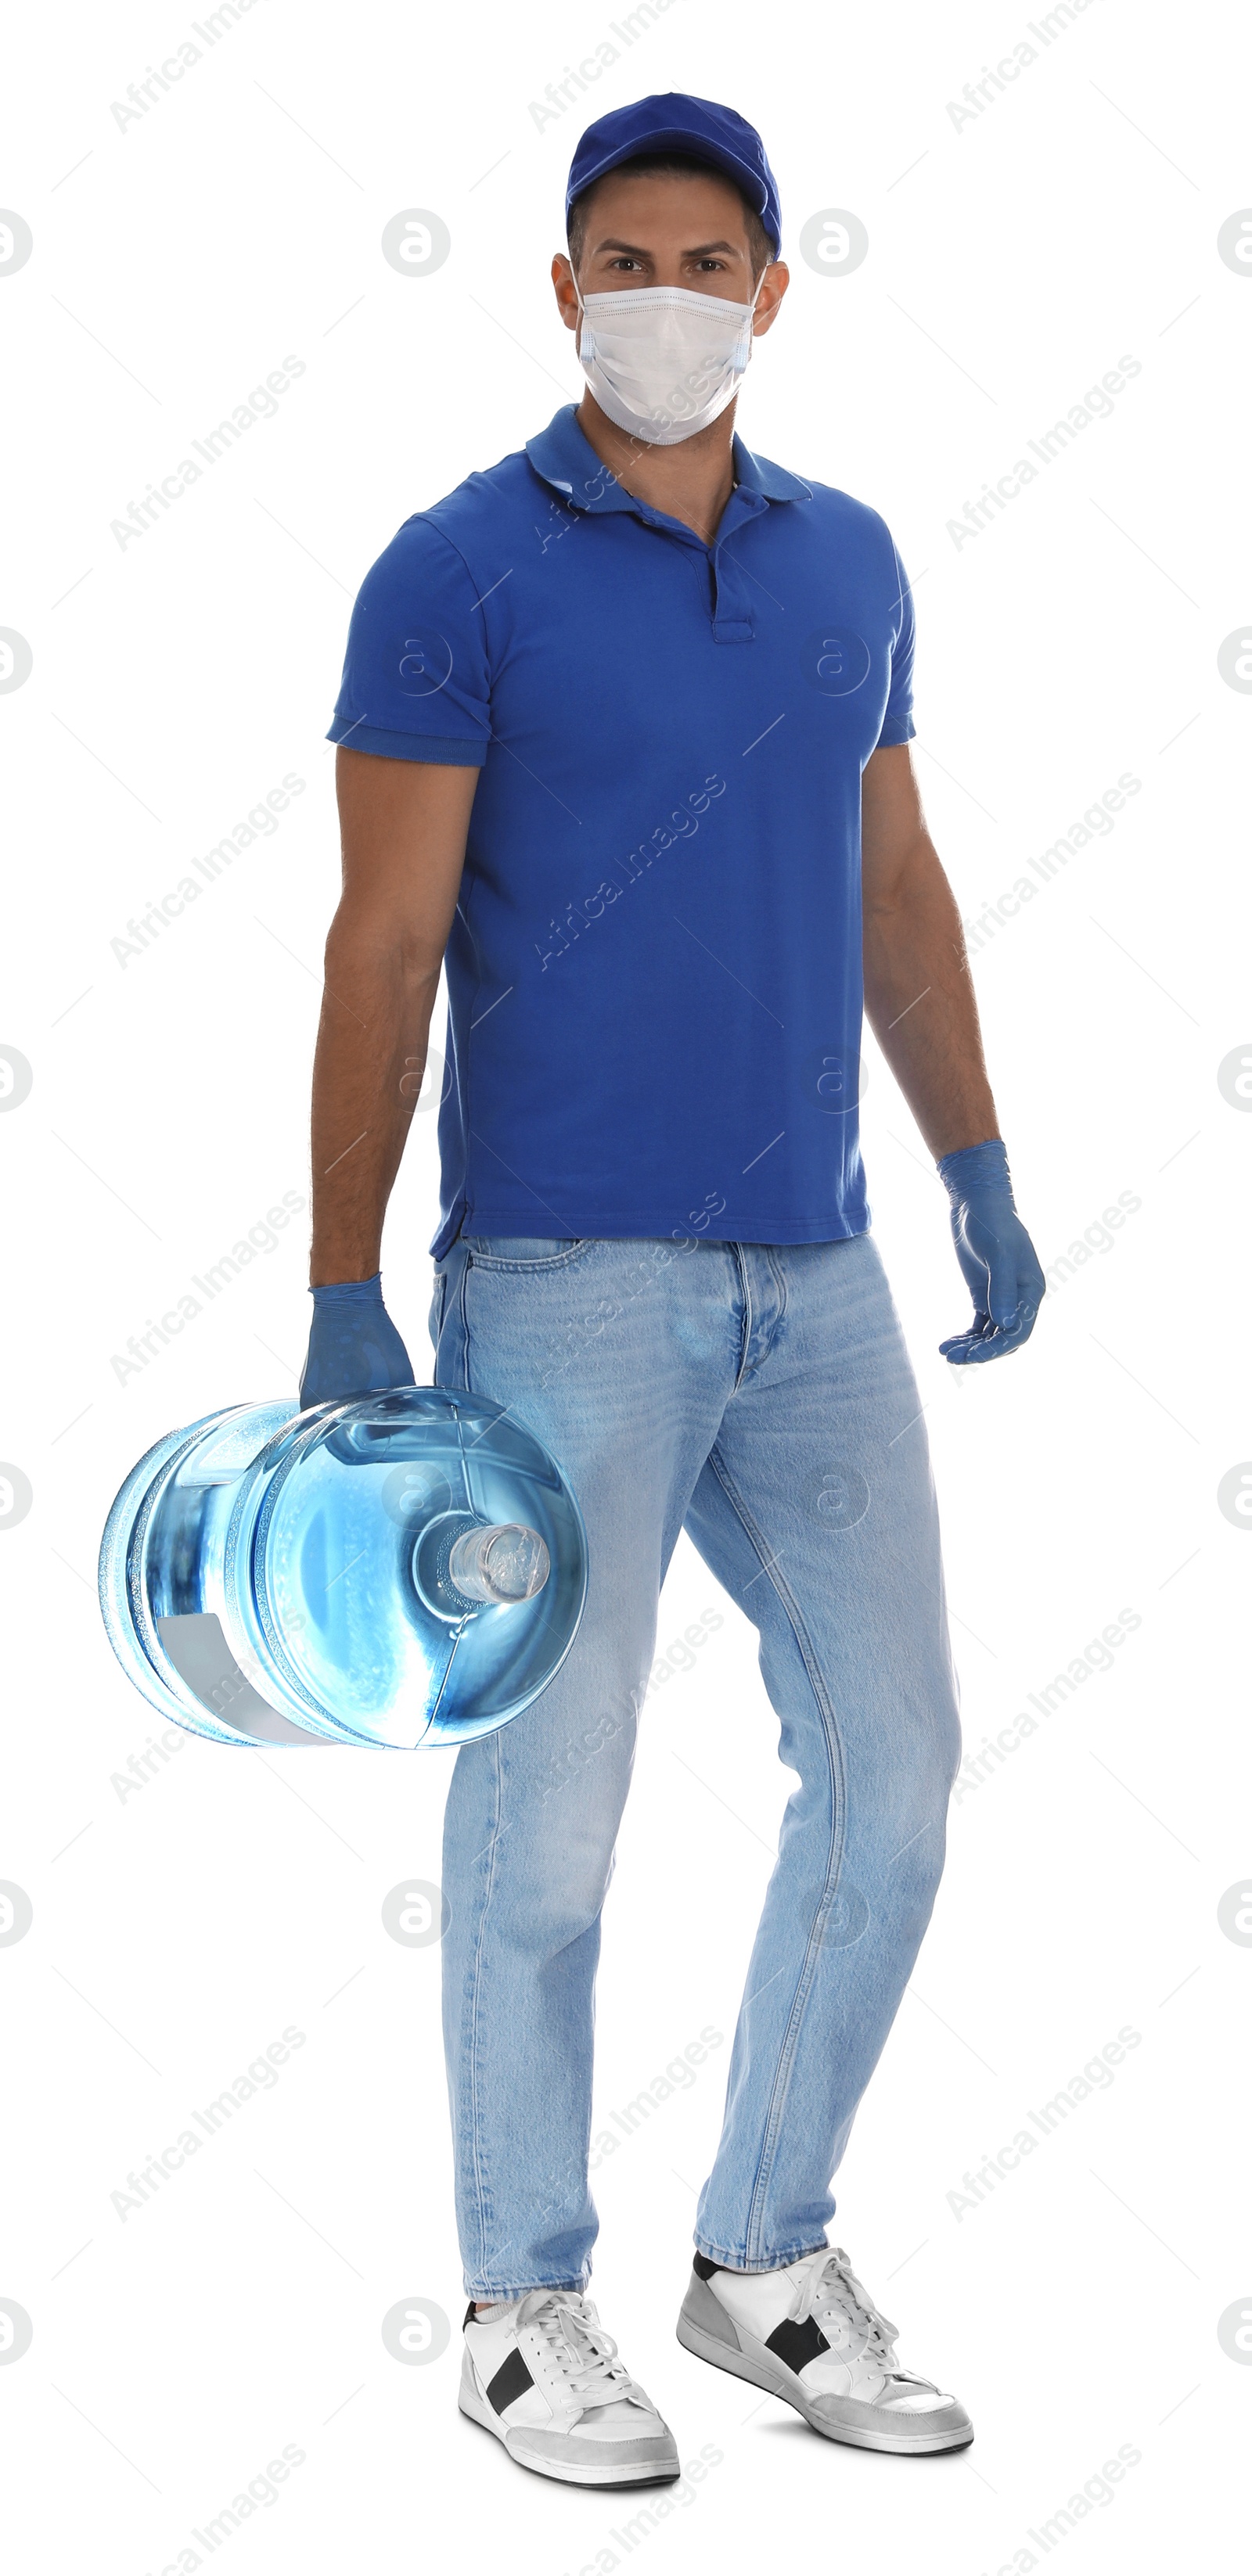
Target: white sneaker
(544, 2377)
(812, 2336)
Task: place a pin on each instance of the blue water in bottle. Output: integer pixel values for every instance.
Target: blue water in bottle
(397, 1570)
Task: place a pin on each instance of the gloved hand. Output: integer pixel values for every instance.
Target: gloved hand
(998, 1259)
(354, 1348)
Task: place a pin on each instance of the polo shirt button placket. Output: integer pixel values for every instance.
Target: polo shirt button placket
(733, 621)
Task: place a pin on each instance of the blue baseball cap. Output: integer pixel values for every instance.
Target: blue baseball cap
(673, 122)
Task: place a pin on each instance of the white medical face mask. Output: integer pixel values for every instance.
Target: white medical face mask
(663, 361)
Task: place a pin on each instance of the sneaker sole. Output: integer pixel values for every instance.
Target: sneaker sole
(781, 2383)
(566, 2472)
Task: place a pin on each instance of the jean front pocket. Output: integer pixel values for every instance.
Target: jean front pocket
(524, 1252)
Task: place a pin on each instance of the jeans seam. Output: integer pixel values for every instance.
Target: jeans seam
(728, 2259)
(834, 1755)
(439, 1305)
(463, 1310)
(780, 1277)
(746, 1284)
(518, 2289)
(482, 2193)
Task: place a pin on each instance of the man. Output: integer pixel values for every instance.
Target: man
(624, 729)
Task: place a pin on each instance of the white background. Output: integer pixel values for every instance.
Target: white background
(178, 1930)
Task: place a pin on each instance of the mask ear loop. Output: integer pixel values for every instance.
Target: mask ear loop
(582, 309)
(749, 330)
(759, 284)
(749, 327)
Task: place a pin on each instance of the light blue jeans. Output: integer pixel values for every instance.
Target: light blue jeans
(760, 1397)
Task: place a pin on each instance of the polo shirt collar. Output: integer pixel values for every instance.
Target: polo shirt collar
(756, 474)
(567, 460)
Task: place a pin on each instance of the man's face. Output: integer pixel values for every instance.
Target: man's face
(675, 231)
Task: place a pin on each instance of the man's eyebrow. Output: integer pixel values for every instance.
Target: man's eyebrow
(701, 251)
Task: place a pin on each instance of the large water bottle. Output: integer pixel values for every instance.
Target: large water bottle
(400, 1569)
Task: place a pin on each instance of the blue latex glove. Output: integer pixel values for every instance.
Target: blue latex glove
(1000, 1265)
(354, 1348)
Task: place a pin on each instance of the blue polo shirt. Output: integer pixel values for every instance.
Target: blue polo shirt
(654, 973)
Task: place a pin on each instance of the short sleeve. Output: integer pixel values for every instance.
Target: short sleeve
(416, 684)
(897, 723)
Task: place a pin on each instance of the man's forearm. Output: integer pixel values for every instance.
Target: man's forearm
(919, 1001)
(367, 1070)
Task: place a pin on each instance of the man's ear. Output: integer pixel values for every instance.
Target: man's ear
(774, 286)
(564, 289)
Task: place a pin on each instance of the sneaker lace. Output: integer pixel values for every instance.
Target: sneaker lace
(576, 2343)
(830, 2283)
